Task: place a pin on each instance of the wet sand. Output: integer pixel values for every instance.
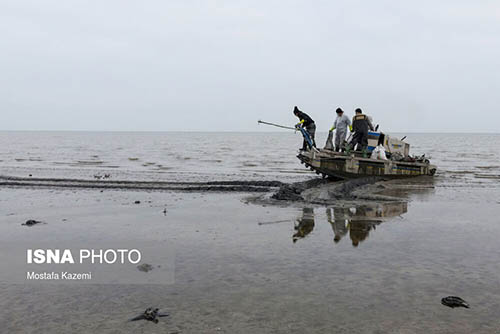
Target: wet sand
(349, 266)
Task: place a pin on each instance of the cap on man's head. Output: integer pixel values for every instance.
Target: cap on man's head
(358, 111)
(339, 111)
(295, 110)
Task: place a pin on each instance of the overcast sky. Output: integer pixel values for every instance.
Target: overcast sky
(222, 65)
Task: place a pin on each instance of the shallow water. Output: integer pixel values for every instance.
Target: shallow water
(461, 158)
(244, 268)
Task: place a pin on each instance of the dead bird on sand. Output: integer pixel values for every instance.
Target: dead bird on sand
(151, 314)
(145, 267)
(32, 222)
(99, 176)
(453, 301)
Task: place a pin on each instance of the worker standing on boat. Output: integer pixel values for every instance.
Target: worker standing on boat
(360, 125)
(342, 122)
(306, 122)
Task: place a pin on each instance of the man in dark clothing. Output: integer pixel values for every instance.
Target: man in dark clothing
(360, 125)
(307, 123)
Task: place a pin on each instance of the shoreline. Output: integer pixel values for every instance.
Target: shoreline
(377, 268)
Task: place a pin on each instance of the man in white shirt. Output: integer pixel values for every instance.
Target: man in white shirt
(341, 123)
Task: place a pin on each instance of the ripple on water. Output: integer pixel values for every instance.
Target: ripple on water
(89, 162)
(487, 167)
(249, 164)
(487, 176)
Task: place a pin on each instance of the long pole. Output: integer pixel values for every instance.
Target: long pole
(277, 125)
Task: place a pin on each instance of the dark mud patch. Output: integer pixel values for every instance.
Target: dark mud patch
(293, 191)
(360, 190)
(211, 186)
(322, 190)
(247, 183)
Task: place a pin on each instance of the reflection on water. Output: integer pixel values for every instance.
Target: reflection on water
(360, 220)
(305, 224)
(339, 223)
(357, 221)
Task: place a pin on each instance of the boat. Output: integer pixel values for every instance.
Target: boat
(353, 164)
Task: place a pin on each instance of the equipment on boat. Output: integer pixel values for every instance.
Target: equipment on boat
(302, 130)
(379, 153)
(276, 125)
(329, 142)
(352, 164)
(307, 137)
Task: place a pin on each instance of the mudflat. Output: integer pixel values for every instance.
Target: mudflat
(357, 257)
(244, 267)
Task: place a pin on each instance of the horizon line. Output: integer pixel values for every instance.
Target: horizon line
(244, 131)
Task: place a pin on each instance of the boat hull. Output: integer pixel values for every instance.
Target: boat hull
(340, 165)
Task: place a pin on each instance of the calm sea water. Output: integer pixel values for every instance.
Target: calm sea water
(462, 159)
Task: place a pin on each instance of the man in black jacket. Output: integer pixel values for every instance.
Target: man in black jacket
(306, 122)
(360, 125)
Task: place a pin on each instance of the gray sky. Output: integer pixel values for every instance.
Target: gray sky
(222, 65)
